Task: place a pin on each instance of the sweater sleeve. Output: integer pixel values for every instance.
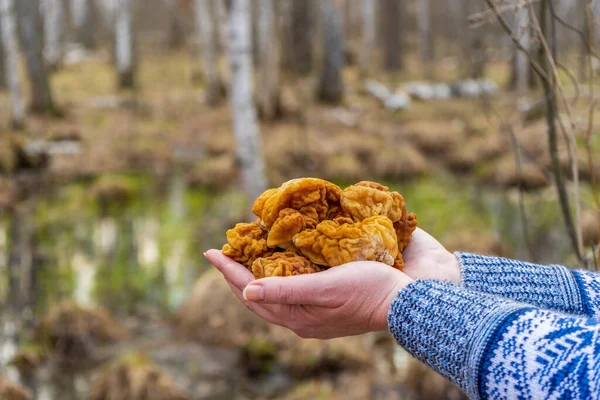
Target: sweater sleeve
(553, 287)
(494, 348)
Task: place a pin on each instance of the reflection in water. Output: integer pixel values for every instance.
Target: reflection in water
(8, 347)
(173, 266)
(148, 252)
(123, 255)
(85, 272)
(106, 234)
(3, 259)
(147, 230)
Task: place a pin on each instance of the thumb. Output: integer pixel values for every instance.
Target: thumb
(300, 289)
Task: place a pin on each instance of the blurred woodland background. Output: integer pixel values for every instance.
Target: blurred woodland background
(133, 133)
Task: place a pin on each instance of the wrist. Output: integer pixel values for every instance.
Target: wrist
(381, 320)
(447, 268)
(453, 269)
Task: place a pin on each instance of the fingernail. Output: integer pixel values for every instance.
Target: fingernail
(254, 293)
(205, 255)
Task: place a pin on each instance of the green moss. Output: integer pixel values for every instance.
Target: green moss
(198, 199)
(97, 120)
(135, 359)
(89, 78)
(260, 355)
(587, 195)
(119, 283)
(442, 204)
(596, 141)
(313, 390)
(7, 154)
(118, 193)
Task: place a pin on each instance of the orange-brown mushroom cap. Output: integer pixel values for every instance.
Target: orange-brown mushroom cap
(312, 197)
(404, 230)
(368, 199)
(283, 264)
(289, 223)
(332, 243)
(246, 242)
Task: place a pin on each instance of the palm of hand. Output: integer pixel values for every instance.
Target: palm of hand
(426, 258)
(346, 300)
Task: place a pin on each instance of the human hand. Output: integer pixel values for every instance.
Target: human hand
(343, 301)
(426, 258)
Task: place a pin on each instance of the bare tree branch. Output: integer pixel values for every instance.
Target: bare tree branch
(574, 29)
(551, 82)
(506, 26)
(567, 133)
(477, 20)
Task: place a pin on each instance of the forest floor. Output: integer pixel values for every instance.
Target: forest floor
(451, 159)
(165, 125)
(166, 122)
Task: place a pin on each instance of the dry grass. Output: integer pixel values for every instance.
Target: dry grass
(213, 315)
(590, 226)
(477, 242)
(215, 172)
(165, 122)
(72, 333)
(504, 173)
(12, 391)
(436, 137)
(134, 378)
(311, 357)
(474, 151)
(112, 193)
(8, 194)
(7, 155)
(425, 384)
(402, 161)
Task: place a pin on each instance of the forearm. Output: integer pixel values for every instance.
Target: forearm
(552, 287)
(493, 347)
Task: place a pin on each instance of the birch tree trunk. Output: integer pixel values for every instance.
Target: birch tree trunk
(177, 33)
(30, 28)
(427, 44)
(268, 91)
(458, 23)
(84, 22)
(521, 63)
(53, 25)
(10, 62)
(124, 46)
(392, 22)
(20, 260)
(368, 37)
(3, 84)
(223, 25)
(331, 85)
(255, 29)
(247, 134)
(351, 19)
(77, 13)
(88, 32)
(475, 57)
(586, 40)
(206, 15)
(300, 52)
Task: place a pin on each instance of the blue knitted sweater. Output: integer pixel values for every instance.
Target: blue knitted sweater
(512, 330)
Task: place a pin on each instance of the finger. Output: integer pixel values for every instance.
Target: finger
(261, 310)
(313, 289)
(418, 232)
(234, 272)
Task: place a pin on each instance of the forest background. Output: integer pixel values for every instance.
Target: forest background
(134, 133)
